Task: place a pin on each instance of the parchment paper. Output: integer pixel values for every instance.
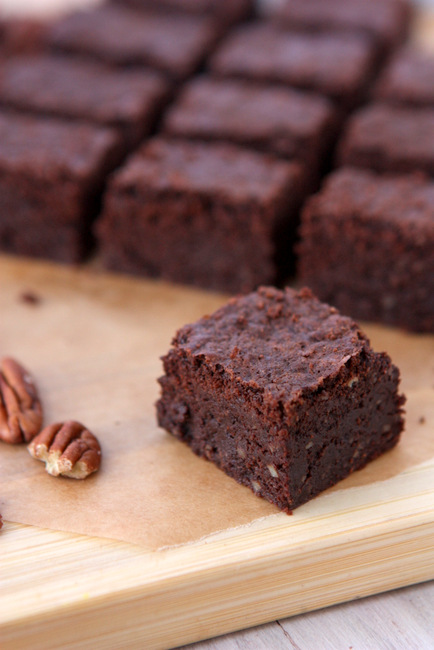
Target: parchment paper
(93, 344)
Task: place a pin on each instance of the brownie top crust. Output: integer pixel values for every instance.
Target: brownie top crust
(227, 10)
(406, 201)
(385, 19)
(277, 342)
(408, 79)
(52, 150)
(216, 169)
(235, 109)
(336, 64)
(173, 44)
(193, 6)
(73, 88)
(395, 132)
(22, 35)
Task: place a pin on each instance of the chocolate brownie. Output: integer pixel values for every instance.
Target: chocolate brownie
(389, 139)
(282, 393)
(173, 44)
(226, 12)
(408, 79)
(51, 173)
(22, 36)
(211, 215)
(388, 21)
(367, 246)
(282, 121)
(337, 65)
(68, 88)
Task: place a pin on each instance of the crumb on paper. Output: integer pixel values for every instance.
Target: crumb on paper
(30, 298)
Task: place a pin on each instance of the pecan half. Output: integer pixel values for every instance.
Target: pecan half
(67, 448)
(20, 408)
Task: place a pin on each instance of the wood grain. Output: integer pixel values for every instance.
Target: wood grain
(401, 619)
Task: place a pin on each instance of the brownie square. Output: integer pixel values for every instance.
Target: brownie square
(408, 79)
(282, 393)
(337, 65)
(173, 44)
(389, 139)
(48, 85)
(226, 12)
(22, 36)
(281, 121)
(51, 173)
(367, 246)
(387, 21)
(210, 215)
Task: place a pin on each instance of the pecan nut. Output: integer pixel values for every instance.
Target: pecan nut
(20, 407)
(67, 448)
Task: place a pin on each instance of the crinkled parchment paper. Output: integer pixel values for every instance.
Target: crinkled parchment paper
(93, 345)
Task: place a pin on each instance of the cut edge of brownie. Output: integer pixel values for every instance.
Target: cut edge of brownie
(366, 245)
(236, 240)
(285, 450)
(134, 117)
(62, 195)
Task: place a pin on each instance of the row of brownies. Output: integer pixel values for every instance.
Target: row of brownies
(189, 136)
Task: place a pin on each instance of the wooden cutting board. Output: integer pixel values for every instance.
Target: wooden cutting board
(61, 589)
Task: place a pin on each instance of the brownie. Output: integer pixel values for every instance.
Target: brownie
(337, 65)
(387, 21)
(69, 88)
(282, 121)
(173, 44)
(51, 173)
(282, 393)
(211, 215)
(367, 246)
(408, 79)
(22, 35)
(389, 139)
(226, 12)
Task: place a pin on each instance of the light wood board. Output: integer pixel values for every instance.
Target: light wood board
(63, 590)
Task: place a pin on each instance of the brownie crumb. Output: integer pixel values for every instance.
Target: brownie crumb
(30, 298)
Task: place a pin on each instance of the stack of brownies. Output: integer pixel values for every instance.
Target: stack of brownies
(183, 138)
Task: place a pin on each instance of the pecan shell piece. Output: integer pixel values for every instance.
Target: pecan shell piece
(20, 407)
(68, 449)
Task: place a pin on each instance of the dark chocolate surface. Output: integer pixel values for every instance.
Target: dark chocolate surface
(226, 11)
(297, 341)
(83, 90)
(22, 35)
(338, 65)
(282, 393)
(367, 246)
(389, 139)
(386, 20)
(286, 122)
(174, 44)
(215, 170)
(209, 214)
(51, 175)
(49, 149)
(408, 79)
